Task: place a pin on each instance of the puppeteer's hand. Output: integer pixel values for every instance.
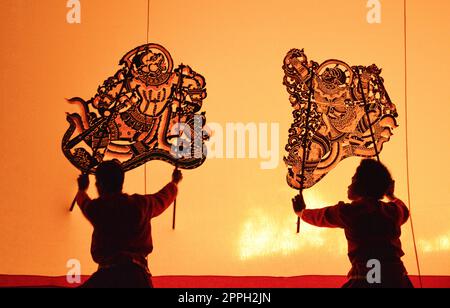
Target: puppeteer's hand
(298, 203)
(83, 182)
(390, 192)
(177, 176)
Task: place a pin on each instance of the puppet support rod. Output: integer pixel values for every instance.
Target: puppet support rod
(305, 137)
(366, 108)
(179, 93)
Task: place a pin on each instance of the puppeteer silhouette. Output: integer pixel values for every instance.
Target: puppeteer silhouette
(372, 227)
(122, 237)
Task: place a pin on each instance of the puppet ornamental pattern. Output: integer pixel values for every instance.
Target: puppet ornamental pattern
(339, 112)
(147, 111)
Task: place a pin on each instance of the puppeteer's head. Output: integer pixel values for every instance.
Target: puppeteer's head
(371, 180)
(109, 177)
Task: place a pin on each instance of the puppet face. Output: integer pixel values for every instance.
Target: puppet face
(340, 117)
(153, 64)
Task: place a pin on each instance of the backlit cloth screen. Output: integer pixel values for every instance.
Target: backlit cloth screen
(234, 213)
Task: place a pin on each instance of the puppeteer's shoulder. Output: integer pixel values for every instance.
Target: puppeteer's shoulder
(135, 197)
(389, 205)
(343, 207)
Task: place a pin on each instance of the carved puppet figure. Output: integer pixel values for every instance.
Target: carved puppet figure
(148, 110)
(339, 112)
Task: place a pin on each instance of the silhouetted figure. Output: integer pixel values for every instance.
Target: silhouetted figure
(122, 237)
(372, 227)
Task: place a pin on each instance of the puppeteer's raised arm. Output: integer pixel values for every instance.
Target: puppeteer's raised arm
(402, 209)
(328, 217)
(82, 197)
(325, 217)
(83, 200)
(160, 201)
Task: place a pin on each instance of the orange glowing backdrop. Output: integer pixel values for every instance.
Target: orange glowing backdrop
(233, 217)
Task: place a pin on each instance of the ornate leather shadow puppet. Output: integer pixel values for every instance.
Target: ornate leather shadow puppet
(340, 111)
(147, 111)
